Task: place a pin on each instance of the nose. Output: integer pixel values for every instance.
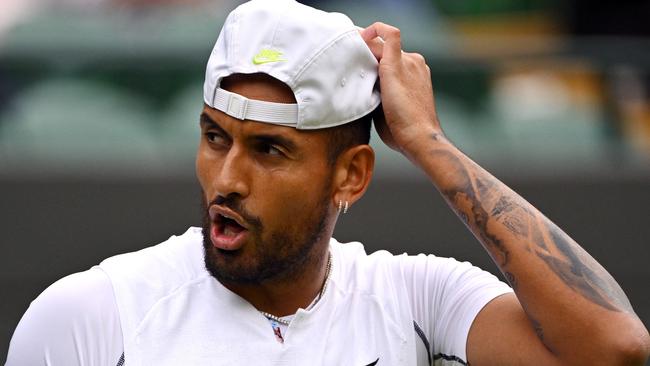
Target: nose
(232, 179)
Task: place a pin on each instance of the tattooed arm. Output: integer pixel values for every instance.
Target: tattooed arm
(567, 308)
(577, 310)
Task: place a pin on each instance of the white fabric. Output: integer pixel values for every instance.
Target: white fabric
(243, 108)
(172, 312)
(73, 322)
(320, 56)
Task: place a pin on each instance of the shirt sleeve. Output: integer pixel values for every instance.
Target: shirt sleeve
(73, 322)
(446, 295)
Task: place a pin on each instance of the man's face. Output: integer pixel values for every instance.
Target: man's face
(267, 192)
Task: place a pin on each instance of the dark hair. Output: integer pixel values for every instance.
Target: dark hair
(348, 135)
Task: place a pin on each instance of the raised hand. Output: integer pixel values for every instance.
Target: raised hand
(406, 91)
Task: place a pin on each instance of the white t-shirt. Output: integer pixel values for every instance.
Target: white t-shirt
(159, 306)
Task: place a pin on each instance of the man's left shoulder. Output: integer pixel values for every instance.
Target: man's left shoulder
(360, 272)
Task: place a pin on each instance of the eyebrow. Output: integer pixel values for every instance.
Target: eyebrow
(269, 138)
(205, 120)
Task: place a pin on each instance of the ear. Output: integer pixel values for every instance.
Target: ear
(352, 174)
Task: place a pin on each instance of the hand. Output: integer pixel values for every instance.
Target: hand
(406, 91)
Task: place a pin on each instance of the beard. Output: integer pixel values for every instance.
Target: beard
(282, 254)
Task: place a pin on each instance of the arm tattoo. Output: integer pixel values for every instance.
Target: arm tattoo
(464, 199)
(573, 267)
(503, 222)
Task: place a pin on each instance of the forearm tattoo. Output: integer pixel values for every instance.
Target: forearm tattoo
(504, 222)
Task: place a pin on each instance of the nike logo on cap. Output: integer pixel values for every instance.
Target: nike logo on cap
(266, 56)
(373, 363)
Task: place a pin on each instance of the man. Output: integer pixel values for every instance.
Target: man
(288, 97)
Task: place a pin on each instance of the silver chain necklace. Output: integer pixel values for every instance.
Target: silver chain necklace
(320, 293)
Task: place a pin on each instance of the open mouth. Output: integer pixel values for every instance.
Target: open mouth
(228, 226)
(228, 231)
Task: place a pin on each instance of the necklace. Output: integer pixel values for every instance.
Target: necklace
(275, 318)
(320, 293)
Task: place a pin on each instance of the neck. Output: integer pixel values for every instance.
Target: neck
(284, 296)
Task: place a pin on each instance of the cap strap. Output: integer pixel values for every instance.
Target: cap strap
(243, 108)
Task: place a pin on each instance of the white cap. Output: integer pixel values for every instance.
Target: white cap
(320, 56)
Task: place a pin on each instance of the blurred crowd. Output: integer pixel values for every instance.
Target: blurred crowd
(547, 77)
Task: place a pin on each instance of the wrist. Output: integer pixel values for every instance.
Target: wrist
(420, 146)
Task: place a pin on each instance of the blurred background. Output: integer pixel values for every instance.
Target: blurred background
(99, 105)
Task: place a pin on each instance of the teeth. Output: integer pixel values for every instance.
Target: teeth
(227, 216)
(219, 216)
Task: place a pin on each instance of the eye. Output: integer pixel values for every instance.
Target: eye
(270, 149)
(215, 137)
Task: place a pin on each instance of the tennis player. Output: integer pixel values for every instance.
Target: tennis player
(290, 92)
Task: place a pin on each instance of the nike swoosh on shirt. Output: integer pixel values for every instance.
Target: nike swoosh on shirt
(373, 363)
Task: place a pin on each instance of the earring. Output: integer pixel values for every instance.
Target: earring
(345, 209)
(340, 206)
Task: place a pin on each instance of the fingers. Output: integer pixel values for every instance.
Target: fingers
(417, 60)
(376, 46)
(384, 41)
